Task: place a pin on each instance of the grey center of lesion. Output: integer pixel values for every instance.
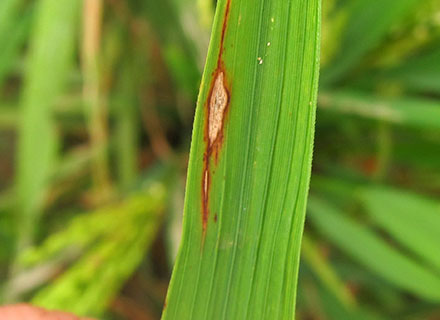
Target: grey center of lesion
(217, 107)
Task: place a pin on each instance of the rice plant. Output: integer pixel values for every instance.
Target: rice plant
(156, 157)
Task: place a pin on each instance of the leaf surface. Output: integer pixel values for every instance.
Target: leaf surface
(250, 164)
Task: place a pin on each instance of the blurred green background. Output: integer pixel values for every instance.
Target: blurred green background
(96, 107)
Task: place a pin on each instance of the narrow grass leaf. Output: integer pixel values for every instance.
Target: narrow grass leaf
(324, 271)
(51, 55)
(408, 111)
(335, 310)
(249, 165)
(368, 24)
(182, 53)
(368, 249)
(89, 285)
(127, 127)
(411, 219)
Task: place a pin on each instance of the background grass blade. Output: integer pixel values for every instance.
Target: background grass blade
(124, 252)
(96, 108)
(319, 265)
(127, 128)
(51, 55)
(368, 249)
(247, 183)
(368, 24)
(404, 111)
(411, 219)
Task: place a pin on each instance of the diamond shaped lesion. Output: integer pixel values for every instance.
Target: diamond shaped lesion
(217, 106)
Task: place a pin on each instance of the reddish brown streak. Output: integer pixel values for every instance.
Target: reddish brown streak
(213, 148)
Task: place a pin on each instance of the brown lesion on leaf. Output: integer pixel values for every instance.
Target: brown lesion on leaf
(216, 107)
(215, 116)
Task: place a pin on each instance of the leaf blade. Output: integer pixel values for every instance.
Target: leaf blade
(265, 144)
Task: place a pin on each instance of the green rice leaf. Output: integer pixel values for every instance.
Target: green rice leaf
(249, 165)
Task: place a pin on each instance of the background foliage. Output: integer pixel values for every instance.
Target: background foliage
(96, 109)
